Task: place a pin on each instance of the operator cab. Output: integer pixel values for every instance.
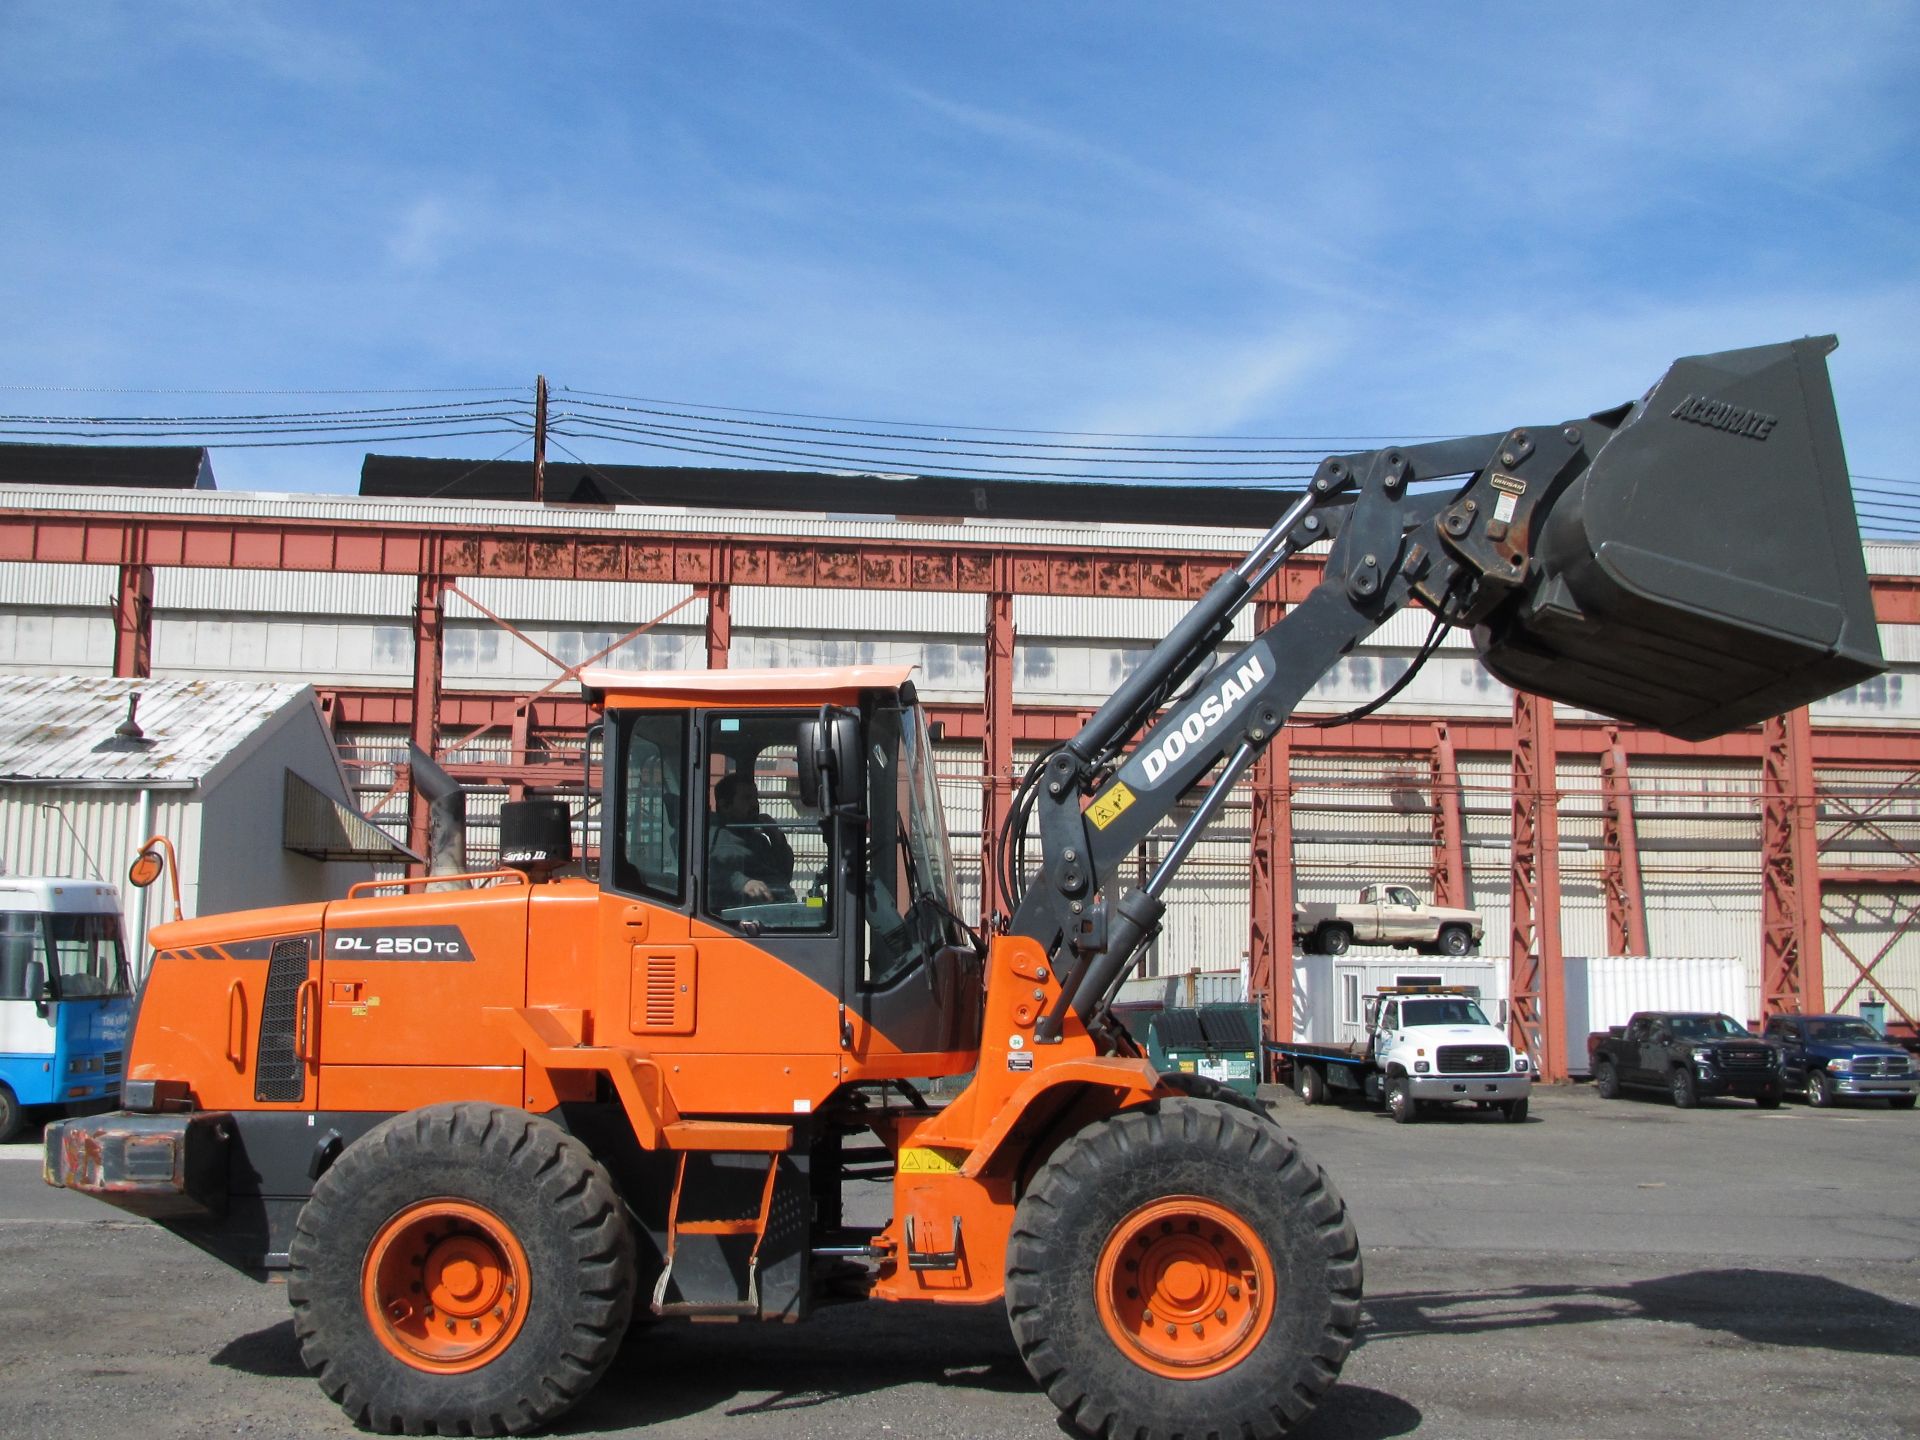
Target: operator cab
(796, 810)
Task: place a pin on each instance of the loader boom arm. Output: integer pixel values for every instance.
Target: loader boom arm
(1543, 548)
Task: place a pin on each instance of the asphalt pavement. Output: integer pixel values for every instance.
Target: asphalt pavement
(1606, 1270)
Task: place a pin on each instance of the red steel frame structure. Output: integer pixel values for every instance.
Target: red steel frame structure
(1788, 752)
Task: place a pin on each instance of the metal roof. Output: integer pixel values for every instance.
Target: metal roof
(168, 467)
(62, 727)
(841, 491)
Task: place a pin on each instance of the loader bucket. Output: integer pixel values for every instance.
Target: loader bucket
(1704, 572)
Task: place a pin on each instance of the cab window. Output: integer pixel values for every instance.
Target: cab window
(769, 859)
(649, 808)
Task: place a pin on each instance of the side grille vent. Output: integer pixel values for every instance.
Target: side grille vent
(278, 1074)
(662, 1000)
(661, 983)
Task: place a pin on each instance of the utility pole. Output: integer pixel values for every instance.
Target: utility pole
(540, 439)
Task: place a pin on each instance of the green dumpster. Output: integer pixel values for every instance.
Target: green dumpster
(1221, 1042)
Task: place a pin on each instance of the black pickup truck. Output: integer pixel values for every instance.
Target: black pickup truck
(1688, 1055)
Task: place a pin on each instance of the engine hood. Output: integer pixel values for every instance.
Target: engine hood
(237, 925)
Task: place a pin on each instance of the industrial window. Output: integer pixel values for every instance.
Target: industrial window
(650, 845)
(1350, 999)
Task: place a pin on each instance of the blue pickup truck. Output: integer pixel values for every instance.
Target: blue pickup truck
(1835, 1057)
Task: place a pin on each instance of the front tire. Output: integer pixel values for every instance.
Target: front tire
(1455, 941)
(1400, 1102)
(13, 1118)
(463, 1269)
(1196, 1217)
(1514, 1111)
(1686, 1090)
(1205, 1087)
(1821, 1091)
(1903, 1102)
(1606, 1081)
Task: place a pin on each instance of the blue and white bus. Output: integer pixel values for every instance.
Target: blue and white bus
(64, 998)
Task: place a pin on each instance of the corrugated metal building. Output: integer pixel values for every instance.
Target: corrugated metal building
(240, 775)
(1357, 818)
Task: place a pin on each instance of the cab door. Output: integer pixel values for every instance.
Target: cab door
(722, 911)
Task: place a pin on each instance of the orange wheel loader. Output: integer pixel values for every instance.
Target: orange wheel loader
(479, 1131)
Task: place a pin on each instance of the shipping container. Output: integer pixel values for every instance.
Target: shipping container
(1606, 990)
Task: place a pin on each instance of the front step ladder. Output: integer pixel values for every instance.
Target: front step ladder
(755, 1225)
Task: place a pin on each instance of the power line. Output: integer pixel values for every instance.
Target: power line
(1233, 449)
(992, 429)
(775, 444)
(792, 458)
(152, 390)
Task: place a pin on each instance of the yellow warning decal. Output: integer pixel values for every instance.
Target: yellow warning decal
(931, 1162)
(1104, 811)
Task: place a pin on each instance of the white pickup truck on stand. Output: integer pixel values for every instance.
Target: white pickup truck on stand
(1387, 915)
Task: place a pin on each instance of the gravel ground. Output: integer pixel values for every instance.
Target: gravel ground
(1618, 1270)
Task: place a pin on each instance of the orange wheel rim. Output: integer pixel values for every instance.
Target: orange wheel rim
(1185, 1287)
(444, 1285)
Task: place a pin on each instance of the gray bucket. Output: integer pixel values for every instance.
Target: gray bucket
(1704, 571)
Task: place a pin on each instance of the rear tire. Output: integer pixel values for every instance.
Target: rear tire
(13, 1118)
(1686, 1090)
(1311, 1083)
(487, 1221)
(1335, 939)
(1821, 1091)
(1606, 1080)
(1200, 1209)
(1400, 1102)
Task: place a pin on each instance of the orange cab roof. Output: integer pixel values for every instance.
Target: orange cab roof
(735, 685)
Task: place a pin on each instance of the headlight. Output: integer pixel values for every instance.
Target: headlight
(1419, 1067)
(1703, 1057)
(1840, 1066)
(1521, 1065)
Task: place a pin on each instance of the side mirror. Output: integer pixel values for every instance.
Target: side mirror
(145, 869)
(827, 761)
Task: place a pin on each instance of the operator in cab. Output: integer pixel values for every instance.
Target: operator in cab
(748, 860)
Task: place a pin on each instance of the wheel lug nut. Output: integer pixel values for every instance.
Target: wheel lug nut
(1220, 1315)
(450, 1325)
(1173, 1329)
(476, 1327)
(1233, 1292)
(1198, 1328)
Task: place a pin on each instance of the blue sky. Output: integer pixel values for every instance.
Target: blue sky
(1222, 219)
